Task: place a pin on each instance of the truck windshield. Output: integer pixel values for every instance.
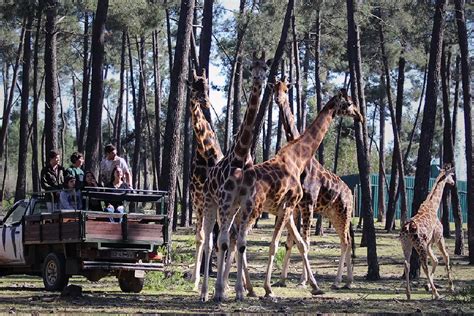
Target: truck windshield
(16, 215)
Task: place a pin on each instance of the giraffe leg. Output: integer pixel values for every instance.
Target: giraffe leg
(307, 215)
(340, 268)
(304, 253)
(434, 261)
(281, 220)
(424, 265)
(444, 252)
(407, 247)
(290, 241)
(349, 264)
(209, 221)
(199, 249)
(229, 261)
(248, 284)
(223, 246)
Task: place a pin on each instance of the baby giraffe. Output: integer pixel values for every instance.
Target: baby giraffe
(424, 230)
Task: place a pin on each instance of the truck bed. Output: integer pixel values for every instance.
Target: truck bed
(95, 227)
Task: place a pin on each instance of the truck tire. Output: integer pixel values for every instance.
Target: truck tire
(129, 283)
(54, 272)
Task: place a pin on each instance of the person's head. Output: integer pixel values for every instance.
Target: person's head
(77, 159)
(117, 174)
(110, 151)
(89, 179)
(69, 182)
(54, 158)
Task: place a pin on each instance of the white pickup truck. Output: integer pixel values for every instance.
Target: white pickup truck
(80, 242)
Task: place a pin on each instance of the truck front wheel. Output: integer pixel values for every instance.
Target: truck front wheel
(129, 283)
(54, 272)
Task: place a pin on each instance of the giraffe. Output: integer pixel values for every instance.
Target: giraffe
(323, 191)
(208, 153)
(223, 183)
(425, 229)
(274, 185)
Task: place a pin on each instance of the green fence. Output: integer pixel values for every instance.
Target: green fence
(354, 183)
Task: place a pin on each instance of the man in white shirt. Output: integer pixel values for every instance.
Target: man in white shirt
(108, 164)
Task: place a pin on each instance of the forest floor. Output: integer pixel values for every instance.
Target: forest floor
(171, 292)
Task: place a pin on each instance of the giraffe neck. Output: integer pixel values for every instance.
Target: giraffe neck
(305, 145)
(434, 197)
(288, 120)
(244, 138)
(207, 145)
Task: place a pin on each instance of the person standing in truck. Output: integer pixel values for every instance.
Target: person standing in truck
(108, 164)
(52, 179)
(75, 170)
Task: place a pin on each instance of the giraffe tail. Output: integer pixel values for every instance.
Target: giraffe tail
(352, 239)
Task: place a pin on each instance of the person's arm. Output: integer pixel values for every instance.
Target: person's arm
(126, 172)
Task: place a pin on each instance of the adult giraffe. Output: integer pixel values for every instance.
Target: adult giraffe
(222, 187)
(323, 191)
(274, 185)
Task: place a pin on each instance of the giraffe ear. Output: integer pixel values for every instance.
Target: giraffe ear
(188, 83)
(343, 93)
(204, 73)
(263, 55)
(254, 55)
(194, 74)
(290, 85)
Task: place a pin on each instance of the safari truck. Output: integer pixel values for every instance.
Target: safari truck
(59, 244)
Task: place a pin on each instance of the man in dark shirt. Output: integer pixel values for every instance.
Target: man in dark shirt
(52, 178)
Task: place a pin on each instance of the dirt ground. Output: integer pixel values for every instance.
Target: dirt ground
(173, 293)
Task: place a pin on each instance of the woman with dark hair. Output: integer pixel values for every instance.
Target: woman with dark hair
(117, 182)
(90, 181)
(70, 198)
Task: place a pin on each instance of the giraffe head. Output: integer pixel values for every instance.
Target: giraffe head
(280, 90)
(447, 173)
(200, 89)
(344, 106)
(259, 67)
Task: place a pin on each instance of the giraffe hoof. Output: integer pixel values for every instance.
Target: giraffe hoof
(219, 298)
(239, 297)
(301, 285)
(204, 298)
(280, 284)
(335, 286)
(347, 286)
(317, 291)
(251, 294)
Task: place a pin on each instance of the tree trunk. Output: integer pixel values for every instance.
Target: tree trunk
(448, 151)
(157, 94)
(422, 175)
(304, 94)
(268, 93)
(36, 97)
(171, 146)
(457, 214)
(237, 89)
(51, 83)
(395, 126)
(94, 129)
(119, 112)
(336, 149)
(188, 138)
(296, 56)
(381, 195)
(20, 191)
(353, 47)
(138, 115)
(85, 85)
(132, 79)
(468, 121)
(268, 134)
(394, 184)
(168, 38)
(9, 101)
(317, 78)
(205, 41)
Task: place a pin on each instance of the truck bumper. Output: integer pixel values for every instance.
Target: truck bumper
(103, 265)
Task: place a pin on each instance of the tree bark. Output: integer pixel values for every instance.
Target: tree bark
(157, 94)
(119, 112)
(171, 146)
(354, 56)
(205, 41)
(94, 129)
(268, 134)
(468, 121)
(20, 191)
(267, 94)
(85, 85)
(423, 162)
(50, 83)
(457, 214)
(381, 195)
(448, 152)
(317, 78)
(36, 97)
(394, 184)
(395, 127)
(188, 139)
(296, 56)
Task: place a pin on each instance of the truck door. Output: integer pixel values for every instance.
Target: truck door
(11, 235)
